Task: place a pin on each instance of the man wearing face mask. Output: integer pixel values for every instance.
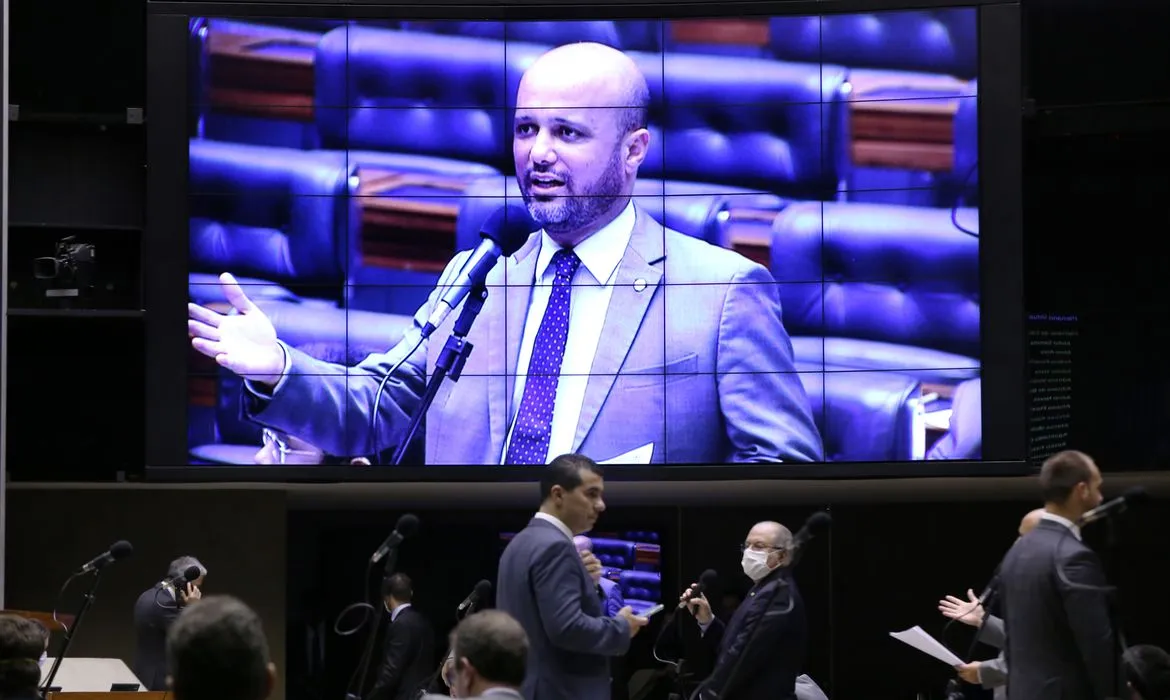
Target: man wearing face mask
(759, 651)
(544, 584)
(408, 652)
(1060, 640)
(489, 657)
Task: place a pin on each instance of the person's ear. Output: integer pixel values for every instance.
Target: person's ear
(269, 679)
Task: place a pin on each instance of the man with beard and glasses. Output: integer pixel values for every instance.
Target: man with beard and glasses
(605, 334)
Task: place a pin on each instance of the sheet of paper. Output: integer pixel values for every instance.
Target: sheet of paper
(638, 455)
(927, 644)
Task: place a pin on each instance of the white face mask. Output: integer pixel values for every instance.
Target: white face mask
(755, 564)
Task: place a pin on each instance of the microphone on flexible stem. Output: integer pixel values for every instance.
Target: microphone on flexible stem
(504, 232)
(187, 576)
(816, 524)
(708, 580)
(480, 593)
(405, 527)
(118, 550)
(1132, 497)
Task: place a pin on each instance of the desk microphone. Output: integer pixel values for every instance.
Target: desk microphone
(1117, 506)
(504, 231)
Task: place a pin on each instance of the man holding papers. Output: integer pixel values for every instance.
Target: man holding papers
(992, 673)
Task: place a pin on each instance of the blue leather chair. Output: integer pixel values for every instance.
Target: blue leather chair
(327, 334)
(865, 416)
(928, 41)
(880, 287)
(412, 102)
(641, 590)
(282, 220)
(563, 32)
(618, 554)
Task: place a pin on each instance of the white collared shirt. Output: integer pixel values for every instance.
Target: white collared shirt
(592, 289)
(1072, 527)
(398, 611)
(555, 521)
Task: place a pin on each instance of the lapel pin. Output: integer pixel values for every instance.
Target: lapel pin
(639, 284)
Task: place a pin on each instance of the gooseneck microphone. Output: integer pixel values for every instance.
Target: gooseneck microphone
(118, 550)
(504, 231)
(97, 566)
(816, 524)
(482, 590)
(406, 526)
(1133, 496)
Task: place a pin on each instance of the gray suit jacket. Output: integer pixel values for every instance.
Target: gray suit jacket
(1060, 643)
(993, 673)
(543, 584)
(693, 358)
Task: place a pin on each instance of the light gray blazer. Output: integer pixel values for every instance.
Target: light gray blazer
(993, 673)
(693, 358)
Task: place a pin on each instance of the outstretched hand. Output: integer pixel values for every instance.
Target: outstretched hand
(243, 341)
(969, 612)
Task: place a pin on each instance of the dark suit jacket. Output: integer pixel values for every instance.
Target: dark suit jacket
(1059, 638)
(408, 658)
(543, 584)
(154, 612)
(761, 649)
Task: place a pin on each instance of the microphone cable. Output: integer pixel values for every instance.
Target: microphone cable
(376, 409)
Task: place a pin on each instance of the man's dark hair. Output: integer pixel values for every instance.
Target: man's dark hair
(399, 586)
(1147, 669)
(495, 645)
(22, 641)
(1061, 473)
(636, 112)
(565, 471)
(216, 650)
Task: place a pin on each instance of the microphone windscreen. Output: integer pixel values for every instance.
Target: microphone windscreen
(407, 524)
(121, 549)
(509, 227)
(1136, 494)
(483, 589)
(818, 522)
(191, 574)
(708, 579)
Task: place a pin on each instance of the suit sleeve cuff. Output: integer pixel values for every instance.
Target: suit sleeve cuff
(256, 390)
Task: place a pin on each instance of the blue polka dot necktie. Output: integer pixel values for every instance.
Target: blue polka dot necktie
(533, 426)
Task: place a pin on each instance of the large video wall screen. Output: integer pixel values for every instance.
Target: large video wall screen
(752, 240)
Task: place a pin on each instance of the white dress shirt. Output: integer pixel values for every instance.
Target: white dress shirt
(555, 521)
(398, 611)
(1072, 527)
(592, 288)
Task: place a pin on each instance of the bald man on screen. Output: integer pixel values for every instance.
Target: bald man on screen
(605, 334)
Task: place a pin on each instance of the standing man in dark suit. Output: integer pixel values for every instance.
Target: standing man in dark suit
(409, 649)
(543, 583)
(759, 652)
(155, 612)
(991, 674)
(1060, 642)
